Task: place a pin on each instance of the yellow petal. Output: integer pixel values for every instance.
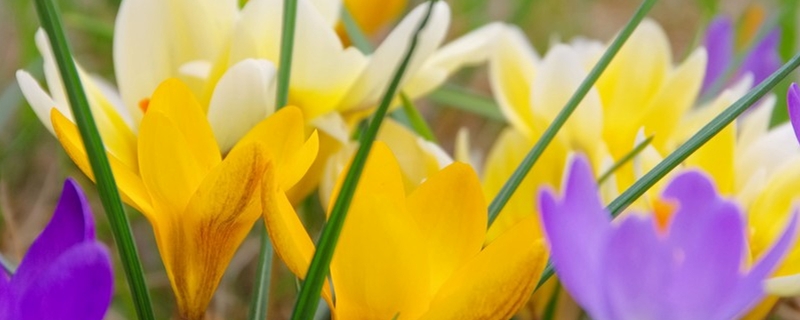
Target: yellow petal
(289, 238)
(198, 244)
(176, 147)
(675, 97)
(177, 103)
(130, 185)
(505, 156)
(378, 269)
(283, 134)
(451, 212)
(716, 158)
(497, 282)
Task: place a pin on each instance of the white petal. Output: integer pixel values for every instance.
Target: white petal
(471, 49)
(511, 71)
(755, 123)
(40, 101)
(329, 9)
(52, 75)
(243, 97)
(559, 75)
(786, 286)
(154, 38)
(333, 125)
(373, 82)
(322, 69)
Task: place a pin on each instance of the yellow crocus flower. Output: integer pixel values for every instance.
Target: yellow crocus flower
(419, 255)
(201, 202)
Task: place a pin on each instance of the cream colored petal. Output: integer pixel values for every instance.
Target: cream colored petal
(244, 96)
(373, 81)
(769, 152)
(559, 75)
(322, 69)
(755, 122)
(511, 72)
(39, 100)
(471, 49)
(331, 10)
(786, 286)
(154, 38)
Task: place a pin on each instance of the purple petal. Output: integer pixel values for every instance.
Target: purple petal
(637, 272)
(70, 225)
(76, 286)
(719, 45)
(577, 228)
(694, 193)
(750, 289)
(793, 105)
(710, 254)
(5, 296)
(764, 59)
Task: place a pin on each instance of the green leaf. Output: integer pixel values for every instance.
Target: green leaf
(530, 159)
(416, 120)
(690, 146)
(464, 99)
(106, 186)
(306, 305)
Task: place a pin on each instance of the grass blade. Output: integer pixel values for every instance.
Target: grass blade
(259, 301)
(306, 305)
(416, 120)
(260, 298)
(354, 32)
(109, 195)
(622, 161)
(464, 99)
(530, 159)
(690, 146)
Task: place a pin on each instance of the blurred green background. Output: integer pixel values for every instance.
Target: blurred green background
(33, 164)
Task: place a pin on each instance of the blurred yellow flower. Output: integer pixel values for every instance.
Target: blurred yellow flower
(416, 255)
(201, 202)
(371, 15)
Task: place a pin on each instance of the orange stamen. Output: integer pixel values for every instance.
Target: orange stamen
(663, 211)
(144, 104)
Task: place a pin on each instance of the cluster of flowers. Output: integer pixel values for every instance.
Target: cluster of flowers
(198, 146)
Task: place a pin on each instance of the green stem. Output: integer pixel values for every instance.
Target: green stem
(357, 36)
(530, 159)
(464, 99)
(306, 305)
(109, 195)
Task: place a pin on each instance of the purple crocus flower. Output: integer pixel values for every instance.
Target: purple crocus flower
(693, 269)
(762, 60)
(793, 104)
(66, 273)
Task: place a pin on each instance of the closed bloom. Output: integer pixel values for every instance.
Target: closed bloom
(694, 266)
(761, 61)
(415, 255)
(66, 273)
(200, 201)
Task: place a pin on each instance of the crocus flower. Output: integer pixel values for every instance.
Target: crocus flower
(695, 266)
(201, 202)
(371, 16)
(66, 273)
(416, 255)
(761, 61)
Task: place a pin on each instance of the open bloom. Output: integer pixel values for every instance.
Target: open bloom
(695, 266)
(66, 273)
(200, 202)
(416, 255)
